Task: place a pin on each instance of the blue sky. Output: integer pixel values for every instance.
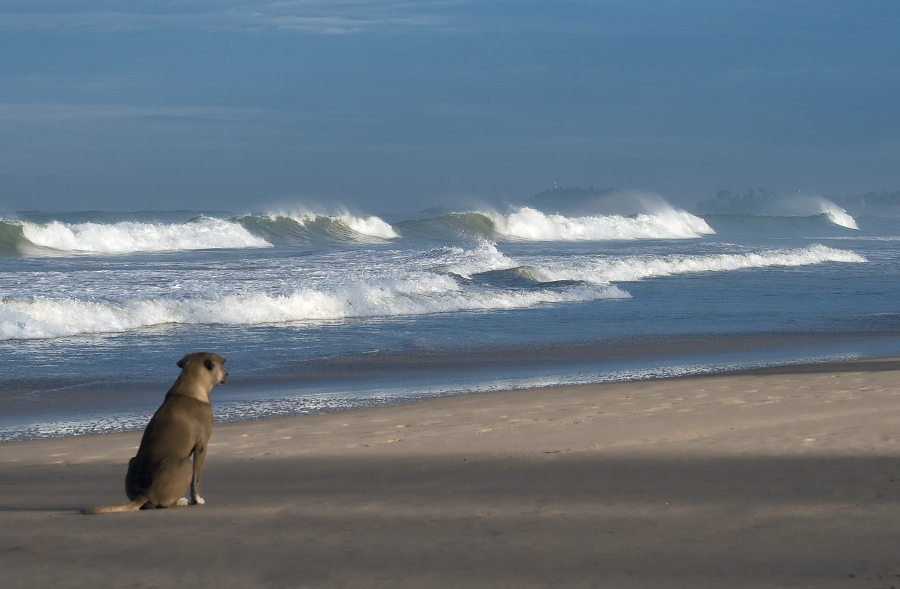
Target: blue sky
(395, 106)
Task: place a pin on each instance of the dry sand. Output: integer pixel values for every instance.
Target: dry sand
(777, 477)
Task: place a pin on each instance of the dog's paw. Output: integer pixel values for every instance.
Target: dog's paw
(197, 501)
(181, 502)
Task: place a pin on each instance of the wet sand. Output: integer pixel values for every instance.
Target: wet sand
(765, 478)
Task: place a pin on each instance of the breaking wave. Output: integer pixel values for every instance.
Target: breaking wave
(824, 224)
(58, 237)
(613, 270)
(451, 280)
(48, 317)
(668, 223)
(837, 215)
(98, 235)
(130, 236)
(302, 228)
(530, 224)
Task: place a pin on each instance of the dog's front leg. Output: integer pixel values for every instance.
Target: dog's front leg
(199, 457)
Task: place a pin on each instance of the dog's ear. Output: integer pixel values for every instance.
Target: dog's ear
(181, 363)
(208, 363)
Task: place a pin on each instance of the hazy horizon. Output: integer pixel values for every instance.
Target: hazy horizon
(383, 106)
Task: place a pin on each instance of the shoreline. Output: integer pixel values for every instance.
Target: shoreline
(391, 378)
(781, 476)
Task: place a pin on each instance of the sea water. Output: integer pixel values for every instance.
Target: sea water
(330, 310)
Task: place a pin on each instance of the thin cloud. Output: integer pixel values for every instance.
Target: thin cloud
(618, 18)
(314, 17)
(73, 113)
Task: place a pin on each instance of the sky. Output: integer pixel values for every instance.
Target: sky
(385, 106)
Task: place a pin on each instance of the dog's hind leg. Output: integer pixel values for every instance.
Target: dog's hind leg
(199, 454)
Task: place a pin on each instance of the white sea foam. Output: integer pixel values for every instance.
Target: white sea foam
(611, 270)
(606, 271)
(466, 262)
(129, 237)
(665, 223)
(418, 285)
(414, 295)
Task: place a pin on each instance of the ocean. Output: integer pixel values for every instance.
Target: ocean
(326, 311)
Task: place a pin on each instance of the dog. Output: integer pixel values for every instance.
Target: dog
(161, 473)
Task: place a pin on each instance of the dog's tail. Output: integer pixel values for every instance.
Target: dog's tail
(132, 505)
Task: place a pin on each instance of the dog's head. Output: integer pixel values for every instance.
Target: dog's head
(204, 366)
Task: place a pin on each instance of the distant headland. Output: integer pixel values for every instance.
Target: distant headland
(591, 200)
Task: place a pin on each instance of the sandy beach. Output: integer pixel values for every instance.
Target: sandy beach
(774, 477)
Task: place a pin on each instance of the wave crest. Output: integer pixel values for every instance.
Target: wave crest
(371, 225)
(249, 231)
(424, 294)
(131, 236)
(606, 271)
(460, 280)
(837, 215)
(486, 260)
(667, 223)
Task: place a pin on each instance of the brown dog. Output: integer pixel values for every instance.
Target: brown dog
(161, 473)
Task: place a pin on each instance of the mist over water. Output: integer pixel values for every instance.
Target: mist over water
(802, 206)
(322, 311)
